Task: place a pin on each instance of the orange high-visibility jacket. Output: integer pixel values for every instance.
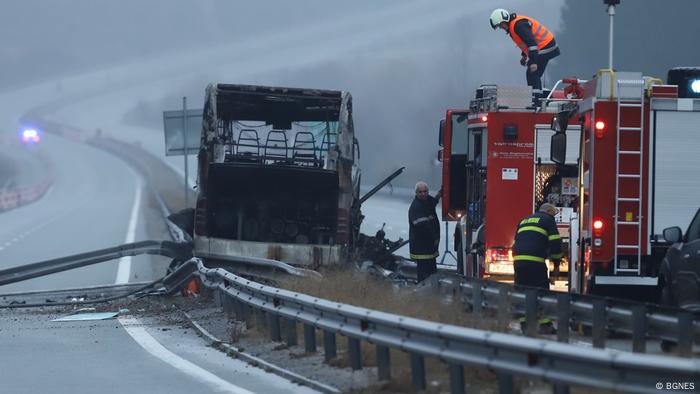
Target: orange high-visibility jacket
(542, 35)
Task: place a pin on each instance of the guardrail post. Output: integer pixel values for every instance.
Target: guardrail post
(355, 353)
(639, 329)
(456, 379)
(531, 318)
(217, 299)
(476, 297)
(418, 371)
(274, 324)
(563, 316)
(503, 306)
(383, 363)
(329, 348)
(685, 334)
(505, 383)
(598, 329)
(309, 338)
(229, 305)
(291, 328)
(560, 388)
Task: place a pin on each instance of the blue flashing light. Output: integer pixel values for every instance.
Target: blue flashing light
(695, 86)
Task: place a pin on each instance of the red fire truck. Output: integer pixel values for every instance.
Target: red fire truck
(621, 165)
(497, 170)
(638, 175)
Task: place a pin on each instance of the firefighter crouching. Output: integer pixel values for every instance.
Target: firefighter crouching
(424, 231)
(537, 234)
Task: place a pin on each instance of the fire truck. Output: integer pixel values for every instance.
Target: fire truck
(497, 170)
(617, 155)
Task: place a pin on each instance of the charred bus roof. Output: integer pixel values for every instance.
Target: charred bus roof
(276, 105)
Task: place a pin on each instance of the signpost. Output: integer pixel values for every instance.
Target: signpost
(182, 135)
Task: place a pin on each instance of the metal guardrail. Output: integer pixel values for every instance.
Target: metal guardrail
(603, 315)
(563, 364)
(163, 248)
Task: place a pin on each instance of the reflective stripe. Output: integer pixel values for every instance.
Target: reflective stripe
(537, 32)
(532, 48)
(524, 257)
(423, 219)
(423, 256)
(530, 220)
(533, 228)
(546, 51)
(554, 237)
(556, 255)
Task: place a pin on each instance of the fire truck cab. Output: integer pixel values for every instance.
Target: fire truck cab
(497, 170)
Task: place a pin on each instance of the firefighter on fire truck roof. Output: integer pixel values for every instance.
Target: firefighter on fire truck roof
(536, 42)
(536, 235)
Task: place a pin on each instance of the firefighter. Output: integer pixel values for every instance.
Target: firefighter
(537, 234)
(424, 231)
(536, 43)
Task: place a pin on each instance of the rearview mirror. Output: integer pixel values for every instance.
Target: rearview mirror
(673, 234)
(560, 122)
(557, 150)
(441, 133)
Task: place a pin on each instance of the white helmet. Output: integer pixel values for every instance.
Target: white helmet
(498, 16)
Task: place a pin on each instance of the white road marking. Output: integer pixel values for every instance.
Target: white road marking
(124, 267)
(152, 346)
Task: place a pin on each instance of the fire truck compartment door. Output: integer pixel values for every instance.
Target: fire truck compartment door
(543, 139)
(676, 186)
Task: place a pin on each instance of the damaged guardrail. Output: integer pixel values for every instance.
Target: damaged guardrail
(170, 249)
(563, 364)
(603, 315)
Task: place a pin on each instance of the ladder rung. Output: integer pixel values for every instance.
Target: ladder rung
(628, 223)
(633, 199)
(628, 246)
(629, 175)
(631, 105)
(630, 152)
(626, 270)
(630, 128)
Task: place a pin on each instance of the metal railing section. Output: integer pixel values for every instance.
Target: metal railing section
(508, 355)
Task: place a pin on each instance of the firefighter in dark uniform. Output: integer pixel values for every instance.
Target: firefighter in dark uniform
(424, 231)
(537, 236)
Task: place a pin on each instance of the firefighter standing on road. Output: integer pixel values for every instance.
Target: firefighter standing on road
(536, 235)
(424, 231)
(536, 42)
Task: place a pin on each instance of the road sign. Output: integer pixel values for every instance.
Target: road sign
(173, 125)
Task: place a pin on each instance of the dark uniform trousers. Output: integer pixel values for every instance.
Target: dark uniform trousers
(536, 237)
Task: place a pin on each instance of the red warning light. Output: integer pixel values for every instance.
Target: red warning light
(598, 225)
(599, 128)
(484, 118)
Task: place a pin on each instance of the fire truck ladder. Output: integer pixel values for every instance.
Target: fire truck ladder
(624, 107)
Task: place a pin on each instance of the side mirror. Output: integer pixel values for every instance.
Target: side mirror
(440, 155)
(441, 133)
(557, 148)
(673, 234)
(560, 122)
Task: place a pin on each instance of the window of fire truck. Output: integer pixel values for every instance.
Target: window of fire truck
(477, 146)
(459, 134)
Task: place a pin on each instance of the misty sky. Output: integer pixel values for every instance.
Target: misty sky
(404, 61)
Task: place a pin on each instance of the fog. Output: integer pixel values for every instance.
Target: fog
(405, 62)
(651, 36)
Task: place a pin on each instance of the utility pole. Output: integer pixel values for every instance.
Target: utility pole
(611, 12)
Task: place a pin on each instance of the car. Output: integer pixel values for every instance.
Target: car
(679, 274)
